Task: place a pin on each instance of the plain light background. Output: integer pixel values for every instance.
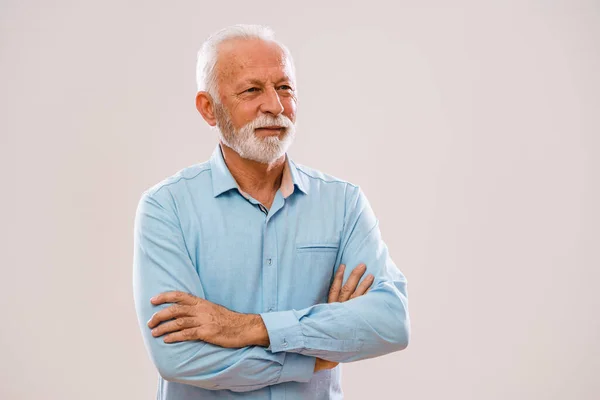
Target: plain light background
(472, 128)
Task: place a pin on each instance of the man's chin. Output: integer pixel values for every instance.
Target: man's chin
(264, 150)
(264, 156)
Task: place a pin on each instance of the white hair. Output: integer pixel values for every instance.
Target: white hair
(206, 77)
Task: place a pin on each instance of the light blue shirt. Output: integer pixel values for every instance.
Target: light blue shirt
(196, 232)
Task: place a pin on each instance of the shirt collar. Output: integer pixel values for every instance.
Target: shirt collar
(223, 181)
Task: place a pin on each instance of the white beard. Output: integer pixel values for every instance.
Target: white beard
(249, 146)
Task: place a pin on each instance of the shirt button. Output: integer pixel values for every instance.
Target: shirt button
(269, 261)
(284, 344)
(270, 308)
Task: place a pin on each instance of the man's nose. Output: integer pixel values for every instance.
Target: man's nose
(272, 102)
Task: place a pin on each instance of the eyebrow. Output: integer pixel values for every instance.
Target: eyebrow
(260, 83)
(251, 81)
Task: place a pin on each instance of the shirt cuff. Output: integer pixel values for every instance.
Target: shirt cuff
(297, 368)
(284, 330)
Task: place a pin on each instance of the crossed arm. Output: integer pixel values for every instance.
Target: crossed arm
(193, 318)
(215, 348)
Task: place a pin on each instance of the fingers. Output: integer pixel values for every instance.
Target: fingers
(174, 297)
(364, 286)
(184, 335)
(174, 326)
(321, 364)
(350, 285)
(334, 290)
(332, 365)
(168, 313)
(339, 293)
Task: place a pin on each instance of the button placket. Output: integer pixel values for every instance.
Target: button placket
(269, 267)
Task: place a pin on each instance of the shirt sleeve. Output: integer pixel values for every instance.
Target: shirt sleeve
(161, 263)
(371, 325)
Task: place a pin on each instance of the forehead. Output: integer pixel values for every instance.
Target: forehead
(240, 59)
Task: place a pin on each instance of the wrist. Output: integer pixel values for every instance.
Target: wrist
(255, 332)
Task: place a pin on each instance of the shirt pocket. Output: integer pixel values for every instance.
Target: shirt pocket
(317, 247)
(314, 266)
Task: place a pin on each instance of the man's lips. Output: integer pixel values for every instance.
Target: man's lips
(271, 129)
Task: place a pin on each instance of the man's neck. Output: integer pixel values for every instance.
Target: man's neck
(260, 181)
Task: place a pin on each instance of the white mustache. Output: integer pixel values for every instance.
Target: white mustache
(268, 120)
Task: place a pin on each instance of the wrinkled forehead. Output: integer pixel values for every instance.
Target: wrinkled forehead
(239, 58)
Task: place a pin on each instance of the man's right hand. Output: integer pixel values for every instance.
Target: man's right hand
(339, 293)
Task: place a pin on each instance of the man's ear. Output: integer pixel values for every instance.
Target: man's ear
(204, 105)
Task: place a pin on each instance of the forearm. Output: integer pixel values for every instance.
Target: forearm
(212, 367)
(365, 327)
(209, 366)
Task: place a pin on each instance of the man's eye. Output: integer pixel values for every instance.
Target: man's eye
(285, 87)
(252, 89)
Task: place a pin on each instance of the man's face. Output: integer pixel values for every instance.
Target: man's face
(256, 111)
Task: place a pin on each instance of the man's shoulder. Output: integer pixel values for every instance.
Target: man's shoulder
(178, 180)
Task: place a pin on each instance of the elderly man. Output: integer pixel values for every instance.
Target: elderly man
(240, 283)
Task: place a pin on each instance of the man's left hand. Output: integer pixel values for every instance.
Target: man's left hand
(193, 318)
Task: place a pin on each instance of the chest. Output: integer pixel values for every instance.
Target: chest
(252, 261)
